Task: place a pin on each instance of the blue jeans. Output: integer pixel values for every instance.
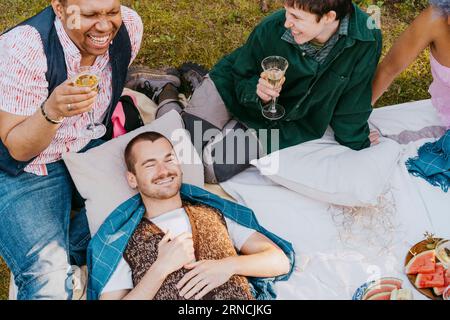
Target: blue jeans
(34, 231)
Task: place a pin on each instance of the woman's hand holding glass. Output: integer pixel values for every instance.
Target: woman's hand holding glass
(270, 85)
(267, 92)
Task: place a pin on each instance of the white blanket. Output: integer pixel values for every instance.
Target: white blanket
(328, 266)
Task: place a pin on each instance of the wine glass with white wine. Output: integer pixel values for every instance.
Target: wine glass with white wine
(274, 68)
(89, 77)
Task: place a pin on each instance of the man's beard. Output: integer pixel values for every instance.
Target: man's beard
(164, 193)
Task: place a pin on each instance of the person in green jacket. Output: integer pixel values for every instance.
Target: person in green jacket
(333, 49)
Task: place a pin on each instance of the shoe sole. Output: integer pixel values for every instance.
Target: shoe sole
(188, 66)
(136, 73)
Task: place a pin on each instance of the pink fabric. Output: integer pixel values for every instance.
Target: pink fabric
(24, 88)
(440, 89)
(118, 121)
(118, 118)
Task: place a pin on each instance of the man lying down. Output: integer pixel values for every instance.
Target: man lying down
(174, 241)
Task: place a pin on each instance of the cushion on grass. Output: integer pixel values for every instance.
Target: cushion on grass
(100, 173)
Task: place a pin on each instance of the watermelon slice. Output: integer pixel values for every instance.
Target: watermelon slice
(377, 289)
(424, 262)
(381, 296)
(440, 290)
(394, 281)
(431, 280)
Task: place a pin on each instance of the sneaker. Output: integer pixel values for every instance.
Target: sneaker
(191, 76)
(151, 81)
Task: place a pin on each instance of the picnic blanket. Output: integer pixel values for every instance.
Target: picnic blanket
(336, 255)
(329, 264)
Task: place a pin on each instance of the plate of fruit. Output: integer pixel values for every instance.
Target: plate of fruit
(427, 272)
(386, 288)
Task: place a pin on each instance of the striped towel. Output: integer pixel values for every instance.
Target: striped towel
(433, 163)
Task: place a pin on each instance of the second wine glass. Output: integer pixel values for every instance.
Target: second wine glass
(274, 67)
(90, 77)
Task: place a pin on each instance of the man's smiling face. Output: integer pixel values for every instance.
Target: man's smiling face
(303, 24)
(157, 173)
(99, 22)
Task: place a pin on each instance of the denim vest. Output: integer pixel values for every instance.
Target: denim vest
(120, 57)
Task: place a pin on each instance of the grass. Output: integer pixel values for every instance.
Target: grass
(4, 280)
(203, 31)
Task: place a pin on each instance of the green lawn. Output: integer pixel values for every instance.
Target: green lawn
(4, 281)
(203, 31)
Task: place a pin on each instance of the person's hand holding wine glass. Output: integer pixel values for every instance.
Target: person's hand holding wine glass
(74, 97)
(68, 101)
(266, 92)
(89, 77)
(270, 85)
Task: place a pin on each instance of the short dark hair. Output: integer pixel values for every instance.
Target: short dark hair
(322, 7)
(146, 136)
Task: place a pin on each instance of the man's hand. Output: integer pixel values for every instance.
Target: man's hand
(265, 91)
(69, 101)
(176, 253)
(204, 277)
(374, 138)
(172, 256)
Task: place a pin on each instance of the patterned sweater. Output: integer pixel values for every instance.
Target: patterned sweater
(211, 242)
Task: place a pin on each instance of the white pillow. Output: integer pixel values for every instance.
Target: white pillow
(408, 122)
(326, 171)
(99, 173)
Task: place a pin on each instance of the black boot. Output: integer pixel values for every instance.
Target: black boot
(191, 75)
(151, 81)
(168, 100)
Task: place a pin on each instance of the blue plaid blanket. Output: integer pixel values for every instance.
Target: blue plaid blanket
(107, 246)
(433, 163)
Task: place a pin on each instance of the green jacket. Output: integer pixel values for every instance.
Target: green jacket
(336, 93)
